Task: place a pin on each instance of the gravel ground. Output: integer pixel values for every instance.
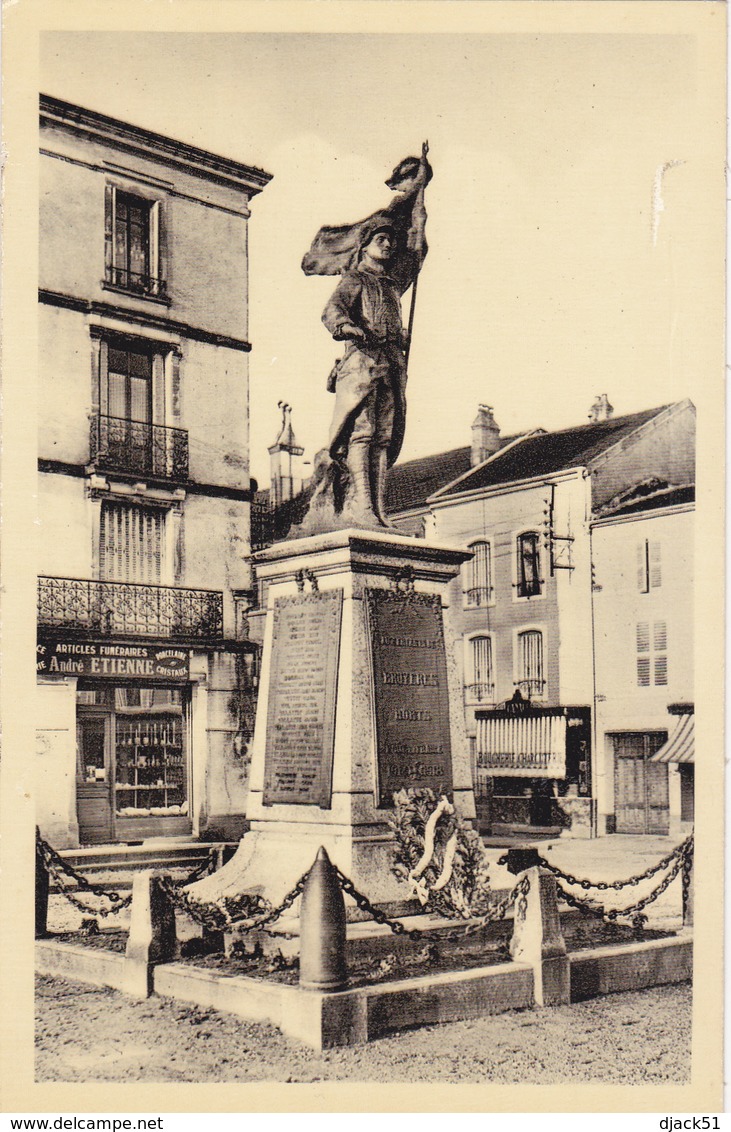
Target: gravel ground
(86, 1033)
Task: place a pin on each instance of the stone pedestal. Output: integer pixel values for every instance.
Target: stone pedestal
(152, 936)
(318, 776)
(538, 940)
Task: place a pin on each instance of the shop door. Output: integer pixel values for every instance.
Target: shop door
(641, 786)
(94, 779)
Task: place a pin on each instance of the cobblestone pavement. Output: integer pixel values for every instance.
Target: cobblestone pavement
(86, 1033)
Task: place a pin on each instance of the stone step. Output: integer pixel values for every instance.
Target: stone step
(153, 854)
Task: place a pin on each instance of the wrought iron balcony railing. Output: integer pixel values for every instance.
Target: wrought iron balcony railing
(120, 445)
(131, 610)
(137, 282)
(479, 693)
(478, 595)
(530, 688)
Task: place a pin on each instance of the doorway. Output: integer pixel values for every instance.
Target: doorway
(640, 786)
(94, 777)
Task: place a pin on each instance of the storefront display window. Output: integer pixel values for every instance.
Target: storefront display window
(133, 761)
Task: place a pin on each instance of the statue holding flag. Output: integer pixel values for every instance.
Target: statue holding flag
(378, 259)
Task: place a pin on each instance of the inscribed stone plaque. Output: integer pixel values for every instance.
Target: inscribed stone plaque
(300, 735)
(411, 694)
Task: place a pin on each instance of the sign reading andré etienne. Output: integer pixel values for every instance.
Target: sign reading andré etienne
(410, 690)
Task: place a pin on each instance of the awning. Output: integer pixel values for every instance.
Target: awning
(528, 746)
(680, 747)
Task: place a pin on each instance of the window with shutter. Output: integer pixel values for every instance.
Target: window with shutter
(481, 687)
(649, 565)
(133, 255)
(652, 660)
(479, 575)
(131, 543)
(530, 663)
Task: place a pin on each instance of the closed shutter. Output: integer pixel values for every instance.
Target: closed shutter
(642, 572)
(655, 564)
(131, 543)
(643, 654)
(480, 580)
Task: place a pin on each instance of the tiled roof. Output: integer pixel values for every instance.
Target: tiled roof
(410, 484)
(546, 452)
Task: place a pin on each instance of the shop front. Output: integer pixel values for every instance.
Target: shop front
(533, 769)
(133, 728)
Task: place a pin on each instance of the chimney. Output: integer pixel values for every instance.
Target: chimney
(601, 410)
(485, 435)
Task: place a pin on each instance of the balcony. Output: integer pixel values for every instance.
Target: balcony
(121, 445)
(531, 688)
(136, 283)
(479, 693)
(127, 609)
(477, 596)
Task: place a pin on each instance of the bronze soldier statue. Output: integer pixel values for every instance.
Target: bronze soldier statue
(379, 258)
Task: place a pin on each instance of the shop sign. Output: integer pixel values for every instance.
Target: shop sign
(107, 660)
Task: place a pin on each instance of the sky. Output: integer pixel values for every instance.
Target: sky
(567, 214)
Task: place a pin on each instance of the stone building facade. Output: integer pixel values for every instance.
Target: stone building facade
(144, 702)
(548, 684)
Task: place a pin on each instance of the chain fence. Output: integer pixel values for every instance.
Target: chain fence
(679, 859)
(61, 873)
(247, 912)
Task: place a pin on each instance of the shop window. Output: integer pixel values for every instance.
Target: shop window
(652, 653)
(480, 687)
(530, 681)
(649, 565)
(529, 564)
(478, 575)
(133, 762)
(133, 244)
(131, 543)
(151, 772)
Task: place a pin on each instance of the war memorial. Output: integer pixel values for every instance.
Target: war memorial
(360, 796)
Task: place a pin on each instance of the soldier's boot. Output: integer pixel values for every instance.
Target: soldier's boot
(379, 468)
(359, 503)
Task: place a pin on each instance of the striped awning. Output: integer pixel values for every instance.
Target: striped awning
(528, 746)
(680, 747)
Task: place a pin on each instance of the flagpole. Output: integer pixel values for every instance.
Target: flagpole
(407, 351)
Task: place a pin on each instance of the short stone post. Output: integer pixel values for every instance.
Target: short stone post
(322, 929)
(42, 885)
(687, 875)
(538, 940)
(152, 937)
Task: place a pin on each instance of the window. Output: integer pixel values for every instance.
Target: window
(652, 653)
(529, 564)
(478, 573)
(128, 434)
(131, 543)
(649, 566)
(530, 663)
(481, 686)
(133, 246)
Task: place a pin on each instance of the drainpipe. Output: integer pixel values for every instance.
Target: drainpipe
(594, 731)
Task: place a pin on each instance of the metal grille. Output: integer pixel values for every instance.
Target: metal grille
(482, 688)
(479, 590)
(137, 281)
(122, 445)
(530, 663)
(127, 609)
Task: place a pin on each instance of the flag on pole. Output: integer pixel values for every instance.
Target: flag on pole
(334, 249)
